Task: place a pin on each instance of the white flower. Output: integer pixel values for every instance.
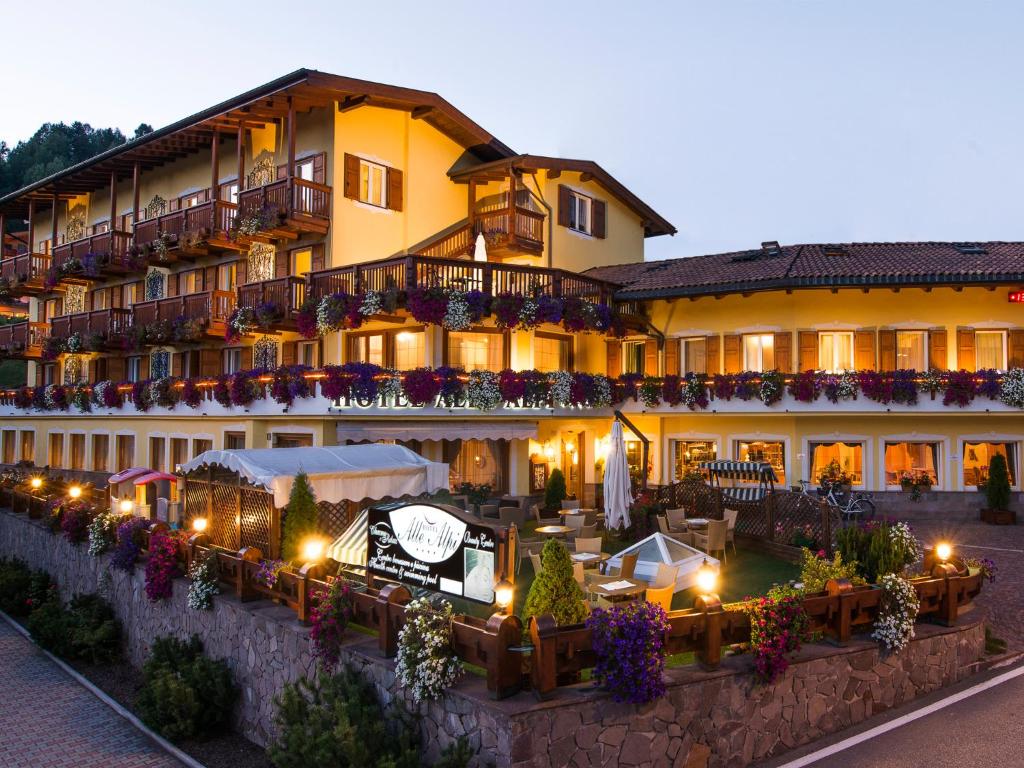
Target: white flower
(103, 532)
(203, 587)
(561, 388)
(894, 626)
(323, 323)
(456, 315)
(98, 391)
(528, 313)
(426, 665)
(390, 386)
(602, 391)
(483, 391)
(372, 303)
(848, 387)
(1013, 388)
(48, 395)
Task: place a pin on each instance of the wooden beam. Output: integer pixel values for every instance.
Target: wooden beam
(113, 200)
(53, 224)
(136, 173)
(215, 167)
(31, 225)
(240, 156)
(291, 138)
(418, 113)
(587, 176)
(554, 173)
(352, 102)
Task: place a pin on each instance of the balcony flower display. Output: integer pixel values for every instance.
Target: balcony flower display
(961, 389)
(772, 387)
(163, 392)
(243, 320)
(427, 305)
(629, 643)
(190, 394)
(141, 396)
(805, 387)
(221, 391)
(672, 390)
(55, 396)
(1012, 392)
(421, 386)
(106, 395)
(53, 347)
(290, 383)
(81, 398)
(842, 386)
(483, 391)
(695, 393)
(243, 388)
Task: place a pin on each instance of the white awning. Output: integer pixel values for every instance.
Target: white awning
(350, 547)
(337, 472)
(467, 429)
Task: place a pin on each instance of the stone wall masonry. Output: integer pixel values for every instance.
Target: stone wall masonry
(719, 718)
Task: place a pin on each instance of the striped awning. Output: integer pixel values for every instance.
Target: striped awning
(752, 471)
(747, 493)
(350, 547)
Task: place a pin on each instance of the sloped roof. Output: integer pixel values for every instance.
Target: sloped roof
(820, 265)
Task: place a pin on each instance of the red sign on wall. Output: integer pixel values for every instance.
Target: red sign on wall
(1016, 297)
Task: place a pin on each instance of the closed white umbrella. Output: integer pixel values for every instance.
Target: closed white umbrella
(617, 494)
(480, 248)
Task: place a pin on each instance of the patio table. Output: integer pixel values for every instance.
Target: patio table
(635, 589)
(589, 559)
(554, 530)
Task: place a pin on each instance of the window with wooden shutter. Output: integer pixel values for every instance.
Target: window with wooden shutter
(651, 358)
(564, 201)
(176, 360)
(731, 352)
(281, 264)
(209, 362)
(600, 210)
(965, 359)
(784, 352)
(672, 357)
(288, 352)
(1015, 348)
(143, 367)
(318, 260)
(938, 356)
(246, 358)
(864, 350)
(351, 185)
(887, 350)
(714, 355)
(614, 365)
(394, 189)
(808, 352)
(115, 369)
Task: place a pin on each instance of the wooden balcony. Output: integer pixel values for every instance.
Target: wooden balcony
(107, 254)
(287, 209)
(190, 232)
(23, 341)
(289, 293)
(506, 232)
(26, 273)
(211, 308)
(492, 278)
(103, 324)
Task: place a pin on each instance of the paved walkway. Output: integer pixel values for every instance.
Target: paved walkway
(47, 720)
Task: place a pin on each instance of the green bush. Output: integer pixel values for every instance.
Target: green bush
(554, 492)
(337, 722)
(555, 590)
(877, 548)
(86, 629)
(300, 519)
(816, 571)
(21, 588)
(185, 694)
(455, 755)
(997, 487)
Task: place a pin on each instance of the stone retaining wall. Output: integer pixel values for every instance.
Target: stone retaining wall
(716, 718)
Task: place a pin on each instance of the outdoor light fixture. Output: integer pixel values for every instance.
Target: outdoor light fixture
(707, 578)
(549, 452)
(36, 483)
(313, 550)
(75, 491)
(503, 594)
(126, 506)
(943, 551)
(199, 525)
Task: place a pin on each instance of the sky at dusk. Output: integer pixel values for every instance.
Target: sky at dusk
(737, 121)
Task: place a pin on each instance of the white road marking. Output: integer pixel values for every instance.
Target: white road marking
(994, 549)
(898, 722)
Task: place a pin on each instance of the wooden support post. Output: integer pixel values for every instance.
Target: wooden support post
(240, 156)
(949, 607)
(471, 204)
(710, 653)
(291, 138)
(511, 203)
(840, 618)
(113, 203)
(215, 168)
(387, 626)
(31, 226)
(504, 668)
(242, 589)
(136, 177)
(544, 667)
(53, 224)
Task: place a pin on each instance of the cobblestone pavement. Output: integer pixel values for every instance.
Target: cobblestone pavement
(47, 720)
(1003, 600)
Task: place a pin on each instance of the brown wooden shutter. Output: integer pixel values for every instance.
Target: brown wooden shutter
(1015, 348)
(564, 201)
(176, 367)
(115, 369)
(210, 279)
(938, 356)
(731, 350)
(887, 350)
(121, 296)
(209, 362)
(713, 351)
(282, 171)
(864, 350)
(242, 271)
(394, 189)
(281, 266)
(172, 285)
(965, 358)
(614, 357)
(319, 165)
(598, 210)
(672, 357)
(784, 352)
(651, 357)
(808, 353)
(143, 367)
(317, 260)
(289, 352)
(351, 185)
(246, 358)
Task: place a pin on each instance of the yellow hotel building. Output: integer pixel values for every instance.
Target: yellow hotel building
(320, 221)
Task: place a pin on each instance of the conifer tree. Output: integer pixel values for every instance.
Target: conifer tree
(300, 518)
(997, 487)
(555, 589)
(554, 492)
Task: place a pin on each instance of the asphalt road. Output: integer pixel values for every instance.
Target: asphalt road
(986, 729)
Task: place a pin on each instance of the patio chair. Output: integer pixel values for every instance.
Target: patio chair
(661, 596)
(714, 539)
(590, 517)
(676, 519)
(666, 576)
(663, 525)
(489, 510)
(625, 571)
(578, 574)
(588, 545)
(537, 567)
(575, 522)
(730, 532)
(570, 503)
(587, 531)
(510, 515)
(535, 511)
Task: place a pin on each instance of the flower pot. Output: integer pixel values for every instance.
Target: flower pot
(998, 516)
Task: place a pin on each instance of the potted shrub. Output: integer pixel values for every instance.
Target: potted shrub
(555, 493)
(997, 494)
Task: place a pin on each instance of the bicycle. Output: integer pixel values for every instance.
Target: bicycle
(857, 506)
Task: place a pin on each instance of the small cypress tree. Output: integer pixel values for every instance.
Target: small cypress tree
(997, 489)
(554, 492)
(555, 590)
(300, 518)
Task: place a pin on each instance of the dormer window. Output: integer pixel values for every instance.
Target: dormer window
(579, 212)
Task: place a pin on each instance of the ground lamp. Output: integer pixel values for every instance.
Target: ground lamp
(199, 525)
(36, 483)
(75, 491)
(126, 506)
(941, 566)
(312, 554)
(504, 593)
(708, 602)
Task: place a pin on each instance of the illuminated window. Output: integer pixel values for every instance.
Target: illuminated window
(552, 353)
(234, 440)
(10, 438)
(688, 454)
(188, 282)
(373, 183)
(309, 354)
(977, 457)
(100, 453)
(480, 462)
(125, 452)
(409, 350)
(201, 445)
(476, 351)
(302, 261)
(191, 201)
(134, 365)
(695, 355)
(990, 350)
(76, 451)
(912, 460)
(633, 354)
(759, 352)
(771, 452)
(28, 446)
(229, 192)
(911, 350)
(367, 348)
(227, 277)
(835, 351)
(579, 212)
(232, 360)
(55, 458)
(848, 456)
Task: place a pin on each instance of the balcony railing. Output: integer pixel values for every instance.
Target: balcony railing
(491, 278)
(208, 219)
(105, 323)
(299, 204)
(525, 234)
(23, 339)
(25, 273)
(105, 253)
(212, 308)
(288, 293)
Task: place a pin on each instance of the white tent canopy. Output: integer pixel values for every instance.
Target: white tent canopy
(336, 472)
(659, 548)
(350, 547)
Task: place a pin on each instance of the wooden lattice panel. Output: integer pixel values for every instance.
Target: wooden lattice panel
(197, 495)
(255, 508)
(333, 519)
(223, 528)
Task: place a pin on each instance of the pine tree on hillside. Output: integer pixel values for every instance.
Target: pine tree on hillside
(300, 518)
